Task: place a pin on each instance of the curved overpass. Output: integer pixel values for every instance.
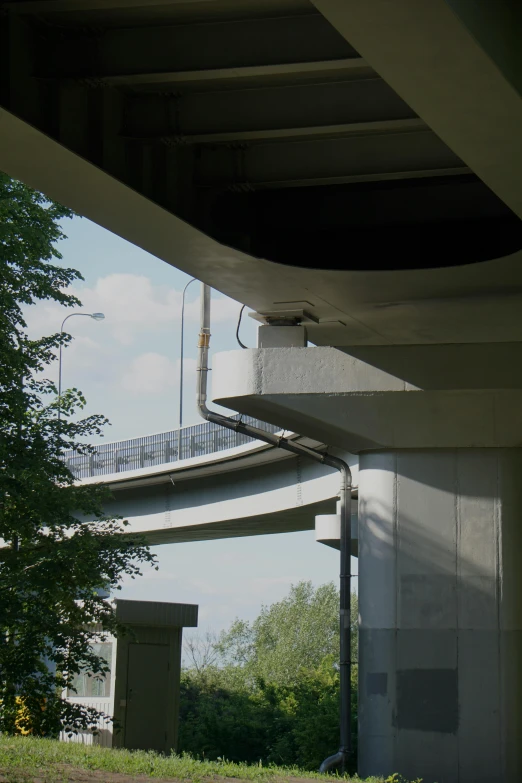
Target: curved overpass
(224, 485)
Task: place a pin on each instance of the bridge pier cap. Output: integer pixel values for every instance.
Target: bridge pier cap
(438, 432)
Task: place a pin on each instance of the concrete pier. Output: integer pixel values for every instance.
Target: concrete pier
(438, 433)
(440, 693)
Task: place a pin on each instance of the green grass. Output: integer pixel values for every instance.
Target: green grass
(24, 758)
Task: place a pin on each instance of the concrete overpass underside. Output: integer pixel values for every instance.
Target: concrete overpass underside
(353, 166)
(244, 492)
(285, 150)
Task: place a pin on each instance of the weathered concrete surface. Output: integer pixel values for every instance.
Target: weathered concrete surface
(281, 337)
(440, 602)
(372, 397)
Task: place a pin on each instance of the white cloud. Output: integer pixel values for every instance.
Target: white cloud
(130, 302)
(152, 374)
(222, 309)
(131, 305)
(83, 358)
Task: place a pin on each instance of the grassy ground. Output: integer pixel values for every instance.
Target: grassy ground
(29, 760)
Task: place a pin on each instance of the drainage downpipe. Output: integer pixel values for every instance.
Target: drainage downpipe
(341, 758)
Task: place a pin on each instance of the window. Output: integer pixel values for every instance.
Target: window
(94, 685)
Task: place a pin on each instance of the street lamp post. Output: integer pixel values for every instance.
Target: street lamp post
(95, 317)
(181, 365)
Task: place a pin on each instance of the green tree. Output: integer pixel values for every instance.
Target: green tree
(296, 633)
(53, 561)
(221, 716)
(273, 692)
(309, 730)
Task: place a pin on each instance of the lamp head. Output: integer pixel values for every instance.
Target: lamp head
(98, 316)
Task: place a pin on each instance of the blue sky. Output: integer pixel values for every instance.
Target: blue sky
(128, 368)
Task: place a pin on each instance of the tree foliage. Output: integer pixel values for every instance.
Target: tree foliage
(273, 693)
(296, 633)
(53, 558)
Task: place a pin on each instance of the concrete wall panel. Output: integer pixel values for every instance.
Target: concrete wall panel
(446, 524)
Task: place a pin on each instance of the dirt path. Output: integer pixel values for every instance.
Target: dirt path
(65, 774)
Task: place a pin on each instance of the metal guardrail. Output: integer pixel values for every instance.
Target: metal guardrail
(150, 450)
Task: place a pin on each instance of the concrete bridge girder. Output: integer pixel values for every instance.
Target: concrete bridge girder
(247, 491)
(381, 397)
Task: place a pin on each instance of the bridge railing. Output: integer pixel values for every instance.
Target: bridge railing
(160, 449)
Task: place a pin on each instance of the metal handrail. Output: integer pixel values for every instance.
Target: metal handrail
(159, 449)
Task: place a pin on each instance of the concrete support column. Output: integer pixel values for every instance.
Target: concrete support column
(439, 431)
(440, 580)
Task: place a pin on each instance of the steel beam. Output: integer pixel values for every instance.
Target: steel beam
(358, 158)
(297, 134)
(202, 46)
(75, 6)
(264, 109)
(348, 68)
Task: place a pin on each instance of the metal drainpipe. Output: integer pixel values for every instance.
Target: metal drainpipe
(341, 758)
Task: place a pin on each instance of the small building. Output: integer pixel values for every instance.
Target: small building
(141, 691)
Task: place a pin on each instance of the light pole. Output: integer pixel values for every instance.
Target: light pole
(94, 316)
(181, 365)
